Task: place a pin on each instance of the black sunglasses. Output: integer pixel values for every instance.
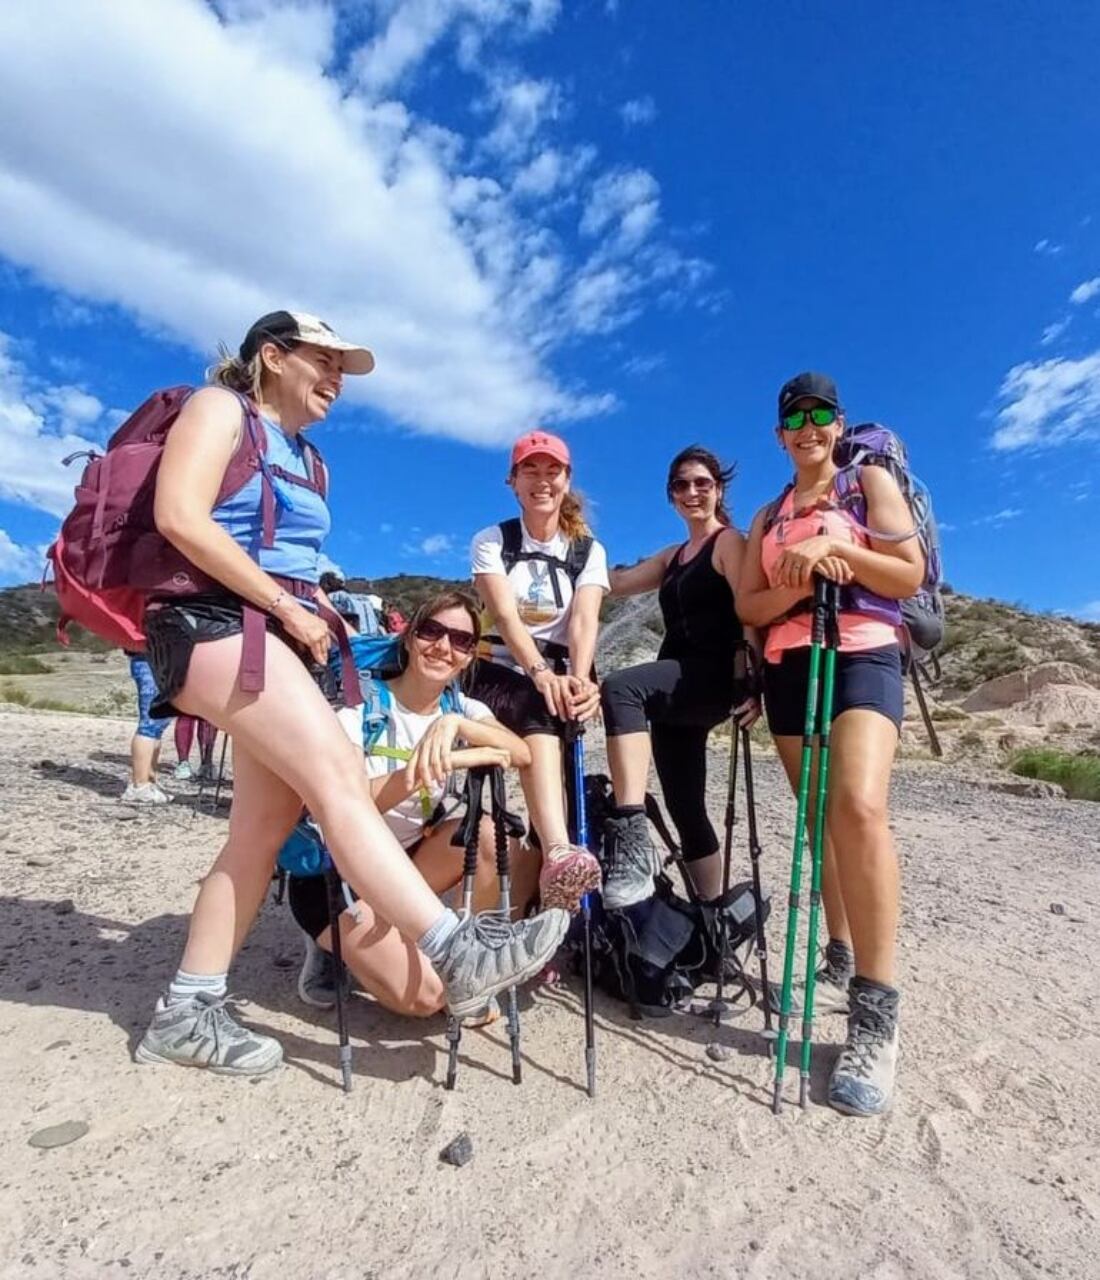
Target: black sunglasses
(433, 631)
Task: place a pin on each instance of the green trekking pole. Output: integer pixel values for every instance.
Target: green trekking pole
(832, 641)
(817, 640)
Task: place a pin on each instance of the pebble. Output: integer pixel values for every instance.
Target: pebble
(458, 1151)
(1056, 909)
(59, 1135)
(39, 862)
(718, 1052)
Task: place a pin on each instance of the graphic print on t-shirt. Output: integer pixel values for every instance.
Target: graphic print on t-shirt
(538, 604)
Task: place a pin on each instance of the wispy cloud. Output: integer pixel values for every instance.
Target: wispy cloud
(41, 423)
(638, 111)
(998, 517)
(18, 563)
(1048, 248)
(638, 366)
(1088, 612)
(395, 202)
(1054, 331)
(1048, 403)
(435, 546)
(1085, 291)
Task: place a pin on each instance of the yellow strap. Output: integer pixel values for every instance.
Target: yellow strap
(399, 753)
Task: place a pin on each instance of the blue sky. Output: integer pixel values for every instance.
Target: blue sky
(627, 221)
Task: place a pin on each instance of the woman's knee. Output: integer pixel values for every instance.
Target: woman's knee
(856, 811)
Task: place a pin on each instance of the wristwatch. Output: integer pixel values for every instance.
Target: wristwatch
(535, 668)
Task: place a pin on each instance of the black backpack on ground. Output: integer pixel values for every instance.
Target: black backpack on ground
(654, 954)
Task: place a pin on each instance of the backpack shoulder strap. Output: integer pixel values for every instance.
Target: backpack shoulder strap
(577, 556)
(512, 533)
(773, 508)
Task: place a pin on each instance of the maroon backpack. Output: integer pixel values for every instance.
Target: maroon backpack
(109, 556)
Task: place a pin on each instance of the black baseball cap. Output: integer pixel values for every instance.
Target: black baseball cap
(818, 385)
(299, 326)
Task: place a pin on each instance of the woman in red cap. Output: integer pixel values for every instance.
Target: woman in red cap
(542, 578)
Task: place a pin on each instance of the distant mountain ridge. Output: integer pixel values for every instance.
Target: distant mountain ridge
(985, 638)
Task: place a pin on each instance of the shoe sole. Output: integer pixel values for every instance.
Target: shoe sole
(567, 888)
(151, 1059)
(475, 1003)
(846, 1110)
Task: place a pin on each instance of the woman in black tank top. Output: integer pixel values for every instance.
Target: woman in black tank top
(667, 708)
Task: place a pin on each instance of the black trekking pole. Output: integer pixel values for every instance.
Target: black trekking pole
(757, 890)
(504, 876)
(580, 837)
(718, 1005)
(469, 834)
(335, 910)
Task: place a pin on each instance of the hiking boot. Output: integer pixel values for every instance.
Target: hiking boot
(830, 984)
(487, 954)
(183, 772)
(199, 1032)
(632, 861)
(317, 979)
(568, 873)
(144, 793)
(862, 1082)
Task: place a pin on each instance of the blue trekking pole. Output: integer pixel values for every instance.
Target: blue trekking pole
(580, 837)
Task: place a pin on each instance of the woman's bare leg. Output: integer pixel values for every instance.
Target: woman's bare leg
(294, 733)
(543, 790)
(628, 756)
(863, 746)
(390, 967)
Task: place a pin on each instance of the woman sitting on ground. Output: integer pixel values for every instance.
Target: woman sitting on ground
(260, 548)
(411, 761)
(667, 708)
(542, 578)
(806, 534)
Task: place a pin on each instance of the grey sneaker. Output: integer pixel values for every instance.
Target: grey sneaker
(144, 793)
(862, 1083)
(200, 1033)
(830, 983)
(487, 954)
(183, 772)
(632, 861)
(317, 979)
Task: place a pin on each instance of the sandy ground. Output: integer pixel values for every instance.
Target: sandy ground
(988, 1165)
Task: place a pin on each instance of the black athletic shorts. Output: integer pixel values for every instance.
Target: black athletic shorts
(308, 899)
(869, 680)
(172, 630)
(512, 697)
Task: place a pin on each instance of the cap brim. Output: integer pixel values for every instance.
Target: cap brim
(355, 359)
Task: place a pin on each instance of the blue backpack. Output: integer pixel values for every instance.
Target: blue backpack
(377, 658)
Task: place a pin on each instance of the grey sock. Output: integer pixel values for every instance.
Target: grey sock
(184, 986)
(838, 955)
(433, 941)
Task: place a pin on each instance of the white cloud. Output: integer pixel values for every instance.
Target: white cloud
(998, 517)
(338, 201)
(1048, 403)
(39, 425)
(638, 365)
(1088, 612)
(19, 564)
(436, 544)
(1086, 291)
(627, 197)
(1048, 248)
(1054, 331)
(385, 527)
(638, 111)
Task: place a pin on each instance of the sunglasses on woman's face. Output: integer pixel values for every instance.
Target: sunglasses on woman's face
(684, 484)
(432, 631)
(821, 416)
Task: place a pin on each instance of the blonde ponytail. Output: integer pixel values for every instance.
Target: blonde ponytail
(571, 518)
(239, 375)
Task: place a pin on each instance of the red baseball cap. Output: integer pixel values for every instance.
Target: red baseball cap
(535, 442)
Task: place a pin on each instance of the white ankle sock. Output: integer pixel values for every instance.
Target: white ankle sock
(184, 986)
(433, 941)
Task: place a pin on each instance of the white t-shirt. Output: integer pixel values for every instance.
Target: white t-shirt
(403, 731)
(531, 583)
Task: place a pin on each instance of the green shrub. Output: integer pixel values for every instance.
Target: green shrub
(14, 664)
(1079, 774)
(21, 698)
(940, 714)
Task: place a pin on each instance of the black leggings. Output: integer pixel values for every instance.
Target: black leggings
(679, 704)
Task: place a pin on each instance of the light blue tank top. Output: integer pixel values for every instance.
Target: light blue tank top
(302, 520)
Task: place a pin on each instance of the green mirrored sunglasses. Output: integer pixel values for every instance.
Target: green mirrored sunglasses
(820, 416)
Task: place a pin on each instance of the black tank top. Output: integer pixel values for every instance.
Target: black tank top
(696, 602)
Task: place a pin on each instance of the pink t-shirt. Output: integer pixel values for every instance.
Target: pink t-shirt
(858, 631)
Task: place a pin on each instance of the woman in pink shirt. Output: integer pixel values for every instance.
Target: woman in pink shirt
(808, 533)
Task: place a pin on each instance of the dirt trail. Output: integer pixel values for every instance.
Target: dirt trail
(988, 1165)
